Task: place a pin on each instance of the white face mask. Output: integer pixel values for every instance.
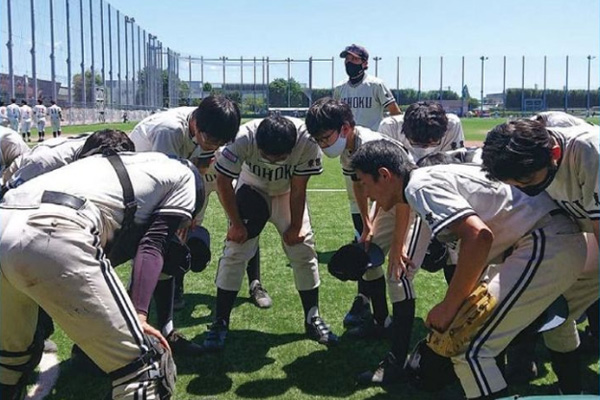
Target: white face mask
(337, 148)
(420, 152)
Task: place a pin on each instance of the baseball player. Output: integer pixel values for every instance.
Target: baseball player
(71, 217)
(528, 239)
(273, 158)
(26, 117)
(39, 112)
(562, 162)
(11, 147)
(368, 98)
(56, 117)
(3, 115)
(558, 119)
(13, 112)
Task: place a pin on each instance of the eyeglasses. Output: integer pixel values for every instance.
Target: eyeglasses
(323, 141)
(424, 145)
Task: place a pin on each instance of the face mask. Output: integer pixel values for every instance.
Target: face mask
(534, 190)
(336, 149)
(353, 70)
(420, 152)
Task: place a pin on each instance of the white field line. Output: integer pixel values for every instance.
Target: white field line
(47, 377)
(325, 190)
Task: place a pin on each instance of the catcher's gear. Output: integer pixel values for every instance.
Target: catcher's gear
(427, 370)
(177, 260)
(436, 256)
(198, 242)
(253, 208)
(474, 311)
(351, 261)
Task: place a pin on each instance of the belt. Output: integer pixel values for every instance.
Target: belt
(63, 199)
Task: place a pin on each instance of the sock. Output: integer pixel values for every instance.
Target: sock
(225, 300)
(179, 285)
(404, 316)
(592, 315)
(163, 298)
(378, 299)
(310, 303)
(567, 368)
(253, 268)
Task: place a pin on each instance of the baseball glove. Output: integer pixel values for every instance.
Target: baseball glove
(470, 317)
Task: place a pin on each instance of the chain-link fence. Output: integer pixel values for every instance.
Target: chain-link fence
(101, 66)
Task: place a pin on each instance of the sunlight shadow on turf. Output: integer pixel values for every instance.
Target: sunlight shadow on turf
(184, 318)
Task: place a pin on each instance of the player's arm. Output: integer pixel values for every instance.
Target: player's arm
(475, 242)
(237, 231)
(398, 261)
(595, 229)
(362, 201)
(393, 109)
(298, 186)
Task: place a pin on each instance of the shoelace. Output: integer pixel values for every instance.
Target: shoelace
(322, 327)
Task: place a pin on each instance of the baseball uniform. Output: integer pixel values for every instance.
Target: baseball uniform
(242, 160)
(13, 112)
(367, 99)
(11, 147)
(26, 117)
(559, 119)
(532, 245)
(52, 240)
(40, 111)
(3, 116)
(55, 117)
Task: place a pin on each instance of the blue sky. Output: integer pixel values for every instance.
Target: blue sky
(388, 29)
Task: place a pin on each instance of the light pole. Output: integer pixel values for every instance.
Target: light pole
(126, 63)
(482, 58)
(376, 64)
(131, 22)
(589, 58)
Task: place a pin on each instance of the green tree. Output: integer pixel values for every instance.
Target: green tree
(207, 87)
(278, 94)
(78, 85)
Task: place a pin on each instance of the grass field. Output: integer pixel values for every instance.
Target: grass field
(267, 355)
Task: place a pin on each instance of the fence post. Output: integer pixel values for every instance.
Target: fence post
(33, 58)
(52, 55)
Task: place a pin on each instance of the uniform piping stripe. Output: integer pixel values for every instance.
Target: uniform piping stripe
(539, 244)
(387, 103)
(412, 247)
(225, 171)
(572, 210)
(456, 216)
(110, 278)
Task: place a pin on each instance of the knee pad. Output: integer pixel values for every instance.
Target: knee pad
(35, 352)
(155, 371)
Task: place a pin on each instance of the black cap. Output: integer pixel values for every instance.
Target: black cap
(356, 50)
(253, 208)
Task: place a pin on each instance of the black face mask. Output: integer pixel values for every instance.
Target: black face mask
(534, 190)
(354, 70)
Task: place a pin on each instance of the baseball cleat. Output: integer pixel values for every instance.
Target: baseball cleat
(216, 335)
(389, 371)
(50, 346)
(369, 329)
(359, 312)
(320, 332)
(259, 296)
(183, 347)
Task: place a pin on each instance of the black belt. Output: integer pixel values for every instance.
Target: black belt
(63, 199)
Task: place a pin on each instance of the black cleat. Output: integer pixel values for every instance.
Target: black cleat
(320, 332)
(369, 329)
(388, 372)
(215, 337)
(359, 312)
(183, 347)
(259, 296)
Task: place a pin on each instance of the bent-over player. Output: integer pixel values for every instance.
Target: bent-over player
(12, 146)
(275, 158)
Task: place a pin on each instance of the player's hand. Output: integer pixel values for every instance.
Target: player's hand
(398, 263)
(150, 330)
(292, 236)
(440, 317)
(237, 233)
(366, 235)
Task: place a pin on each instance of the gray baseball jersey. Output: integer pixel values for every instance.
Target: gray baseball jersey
(559, 119)
(43, 158)
(368, 100)
(11, 147)
(13, 112)
(167, 132)
(575, 186)
(362, 135)
(242, 157)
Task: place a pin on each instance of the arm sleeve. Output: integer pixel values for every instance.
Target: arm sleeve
(169, 142)
(588, 180)
(149, 260)
(310, 161)
(229, 161)
(384, 95)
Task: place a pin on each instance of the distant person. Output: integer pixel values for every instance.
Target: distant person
(55, 118)
(39, 112)
(3, 115)
(26, 117)
(13, 112)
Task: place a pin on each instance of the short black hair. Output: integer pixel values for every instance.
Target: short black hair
(106, 139)
(425, 122)
(382, 153)
(326, 114)
(13, 100)
(516, 149)
(438, 158)
(52, 101)
(23, 101)
(218, 117)
(276, 136)
(40, 101)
